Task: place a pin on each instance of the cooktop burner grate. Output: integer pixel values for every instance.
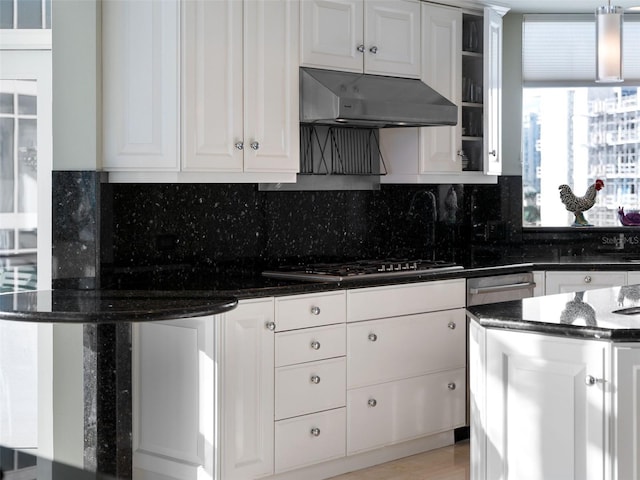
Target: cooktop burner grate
(338, 272)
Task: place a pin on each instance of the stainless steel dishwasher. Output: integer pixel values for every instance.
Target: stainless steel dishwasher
(497, 288)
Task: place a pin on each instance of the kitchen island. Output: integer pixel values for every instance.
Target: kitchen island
(67, 374)
(555, 386)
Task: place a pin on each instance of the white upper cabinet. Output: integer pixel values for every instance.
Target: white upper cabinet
(240, 86)
(493, 92)
(140, 54)
(371, 36)
(462, 60)
(441, 70)
(234, 97)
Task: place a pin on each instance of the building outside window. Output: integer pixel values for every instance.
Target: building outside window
(574, 130)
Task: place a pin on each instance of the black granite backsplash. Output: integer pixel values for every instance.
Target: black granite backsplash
(140, 231)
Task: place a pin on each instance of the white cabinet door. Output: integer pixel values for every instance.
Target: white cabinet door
(373, 36)
(212, 86)
(392, 38)
(633, 278)
(492, 92)
(442, 70)
(271, 126)
(240, 86)
(140, 100)
(563, 282)
(393, 348)
(332, 32)
(173, 377)
(394, 412)
(626, 408)
(247, 390)
(542, 419)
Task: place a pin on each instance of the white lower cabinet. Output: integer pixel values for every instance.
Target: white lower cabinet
(246, 390)
(173, 402)
(302, 386)
(535, 413)
(576, 281)
(390, 413)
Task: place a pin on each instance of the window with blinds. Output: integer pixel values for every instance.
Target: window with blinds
(561, 49)
(575, 131)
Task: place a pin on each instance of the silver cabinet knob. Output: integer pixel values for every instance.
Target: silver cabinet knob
(590, 380)
(315, 432)
(360, 48)
(239, 145)
(451, 386)
(374, 49)
(451, 325)
(315, 310)
(372, 337)
(315, 345)
(372, 402)
(493, 153)
(255, 145)
(587, 279)
(270, 326)
(315, 379)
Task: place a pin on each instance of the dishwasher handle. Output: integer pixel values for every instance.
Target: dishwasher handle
(502, 288)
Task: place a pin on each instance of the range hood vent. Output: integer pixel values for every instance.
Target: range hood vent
(329, 97)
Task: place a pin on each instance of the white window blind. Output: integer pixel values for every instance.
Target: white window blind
(560, 50)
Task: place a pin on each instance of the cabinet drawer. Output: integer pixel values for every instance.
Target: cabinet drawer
(392, 301)
(310, 387)
(398, 411)
(564, 282)
(400, 347)
(297, 446)
(303, 311)
(310, 344)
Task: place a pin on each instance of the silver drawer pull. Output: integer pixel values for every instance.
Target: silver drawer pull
(451, 325)
(502, 288)
(372, 337)
(587, 279)
(372, 402)
(315, 345)
(315, 432)
(451, 386)
(315, 379)
(270, 326)
(315, 310)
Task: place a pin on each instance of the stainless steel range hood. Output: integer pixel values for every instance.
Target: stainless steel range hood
(330, 97)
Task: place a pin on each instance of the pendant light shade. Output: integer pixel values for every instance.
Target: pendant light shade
(609, 44)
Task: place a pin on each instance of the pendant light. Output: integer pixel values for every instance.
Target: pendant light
(609, 44)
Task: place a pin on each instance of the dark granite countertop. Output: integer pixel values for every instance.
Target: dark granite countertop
(105, 306)
(604, 314)
(242, 282)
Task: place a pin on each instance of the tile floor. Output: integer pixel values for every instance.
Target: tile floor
(448, 463)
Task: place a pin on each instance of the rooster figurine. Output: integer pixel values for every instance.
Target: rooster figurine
(578, 205)
(628, 219)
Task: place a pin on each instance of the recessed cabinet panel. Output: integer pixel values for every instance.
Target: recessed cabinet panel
(392, 38)
(310, 387)
(393, 348)
(271, 128)
(310, 439)
(140, 88)
(212, 86)
(310, 344)
(331, 32)
(563, 282)
(394, 412)
(536, 384)
(493, 92)
(441, 45)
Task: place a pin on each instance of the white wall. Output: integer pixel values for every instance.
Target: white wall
(512, 95)
(76, 84)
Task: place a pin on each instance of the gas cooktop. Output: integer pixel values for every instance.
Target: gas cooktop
(358, 270)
